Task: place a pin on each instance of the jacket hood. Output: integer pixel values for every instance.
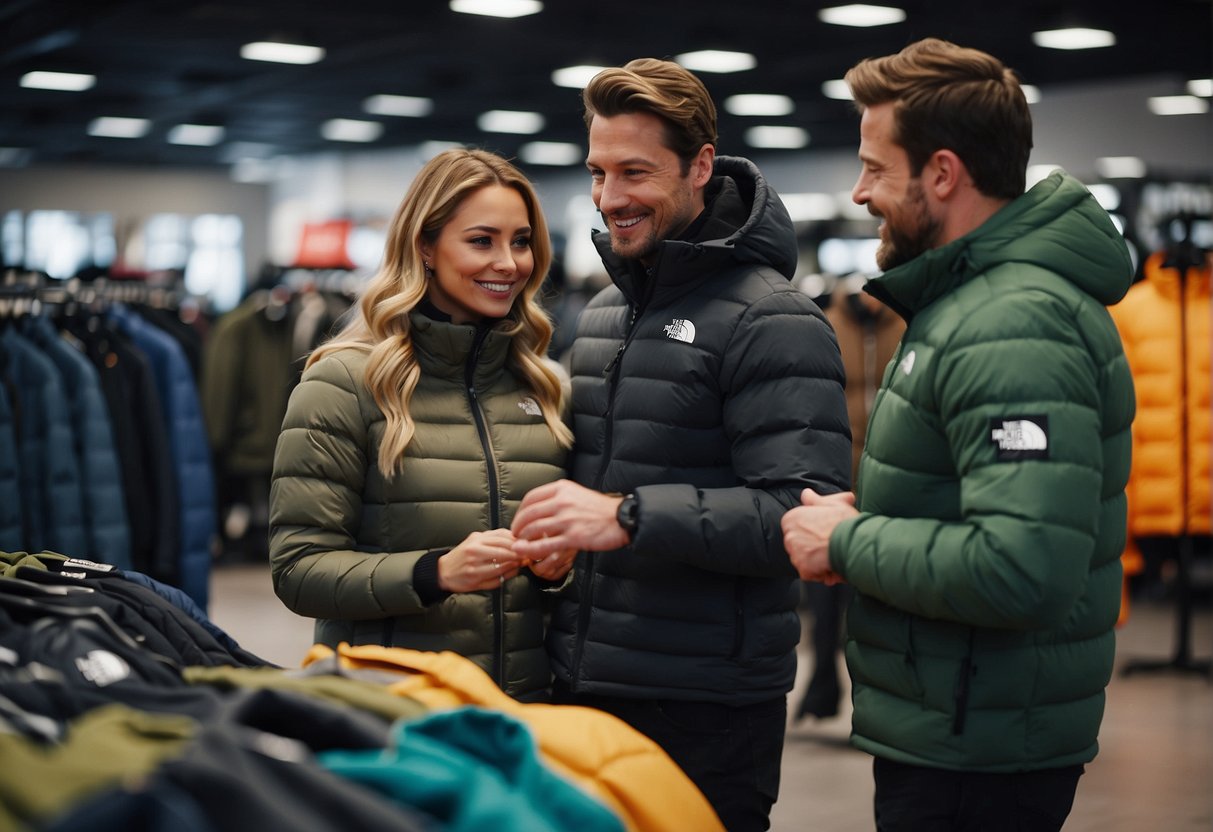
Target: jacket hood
(1057, 225)
(747, 223)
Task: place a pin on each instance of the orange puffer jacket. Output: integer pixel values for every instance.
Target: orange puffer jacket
(1165, 326)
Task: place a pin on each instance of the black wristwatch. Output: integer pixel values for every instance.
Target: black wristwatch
(628, 515)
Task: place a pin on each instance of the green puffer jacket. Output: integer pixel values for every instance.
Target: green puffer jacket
(985, 557)
(344, 540)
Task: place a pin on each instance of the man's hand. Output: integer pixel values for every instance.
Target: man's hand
(563, 517)
(807, 530)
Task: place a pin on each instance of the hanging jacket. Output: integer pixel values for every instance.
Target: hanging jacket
(188, 444)
(12, 536)
(344, 539)
(720, 401)
(107, 535)
(248, 370)
(141, 441)
(867, 337)
(51, 488)
(985, 556)
(1164, 324)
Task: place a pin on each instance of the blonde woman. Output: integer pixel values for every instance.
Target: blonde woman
(417, 430)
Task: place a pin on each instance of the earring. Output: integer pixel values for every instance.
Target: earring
(426, 264)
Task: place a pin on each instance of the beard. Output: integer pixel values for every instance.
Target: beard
(636, 248)
(908, 231)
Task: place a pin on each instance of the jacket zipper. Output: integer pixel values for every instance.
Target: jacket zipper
(966, 673)
(586, 591)
(490, 459)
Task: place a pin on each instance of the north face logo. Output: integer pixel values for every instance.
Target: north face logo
(681, 330)
(530, 407)
(907, 363)
(1021, 437)
(101, 667)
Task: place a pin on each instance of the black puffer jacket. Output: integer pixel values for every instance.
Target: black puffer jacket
(713, 389)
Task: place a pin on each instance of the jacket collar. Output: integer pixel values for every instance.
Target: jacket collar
(443, 348)
(1057, 226)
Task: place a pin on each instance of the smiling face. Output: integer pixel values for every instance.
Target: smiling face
(482, 257)
(889, 190)
(638, 183)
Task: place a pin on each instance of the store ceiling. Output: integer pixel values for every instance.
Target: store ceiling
(178, 61)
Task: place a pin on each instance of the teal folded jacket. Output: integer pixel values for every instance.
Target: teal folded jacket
(473, 769)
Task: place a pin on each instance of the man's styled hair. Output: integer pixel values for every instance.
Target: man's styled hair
(949, 97)
(663, 88)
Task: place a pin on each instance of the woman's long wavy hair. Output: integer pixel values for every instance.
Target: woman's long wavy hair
(381, 327)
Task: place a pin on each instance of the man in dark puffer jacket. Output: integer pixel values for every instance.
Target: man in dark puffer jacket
(709, 391)
(985, 553)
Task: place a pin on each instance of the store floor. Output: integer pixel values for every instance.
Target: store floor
(1154, 772)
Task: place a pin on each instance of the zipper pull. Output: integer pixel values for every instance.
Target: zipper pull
(614, 362)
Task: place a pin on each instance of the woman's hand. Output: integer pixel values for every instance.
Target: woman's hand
(483, 561)
(555, 566)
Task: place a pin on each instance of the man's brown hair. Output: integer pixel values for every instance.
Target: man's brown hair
(663, 88)
(948, 97)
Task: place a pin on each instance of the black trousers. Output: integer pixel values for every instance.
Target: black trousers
(919, 799)
(732, 754)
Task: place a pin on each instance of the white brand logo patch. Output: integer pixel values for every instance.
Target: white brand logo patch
(907, 363)
(681, 330)
(1020, 437)
(530, 407)
(101, 667)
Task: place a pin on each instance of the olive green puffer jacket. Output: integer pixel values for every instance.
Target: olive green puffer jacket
(985, 557)
(344, 539)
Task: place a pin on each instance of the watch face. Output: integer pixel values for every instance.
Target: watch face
(626, 516)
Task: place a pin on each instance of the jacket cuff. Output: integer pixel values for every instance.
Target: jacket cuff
(425, 578)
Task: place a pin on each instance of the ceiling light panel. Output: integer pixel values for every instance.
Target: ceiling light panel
(497, 8)
(777, 137)
(510, 121)
(198, 135)
(282, 53)
(1201, 86)
(551, 153)
(860, 14)
(757, 104)
(115, 127)
(432, 148)
(1177, 105)
(715, 60)
(808, 207)
(1075, 38)
(351, 130)
(575, 77)
(837, 89)
(64, 81)
(1120, 167)
(408, 106)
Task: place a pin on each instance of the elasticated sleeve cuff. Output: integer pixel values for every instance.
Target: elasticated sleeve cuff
(425, 578)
